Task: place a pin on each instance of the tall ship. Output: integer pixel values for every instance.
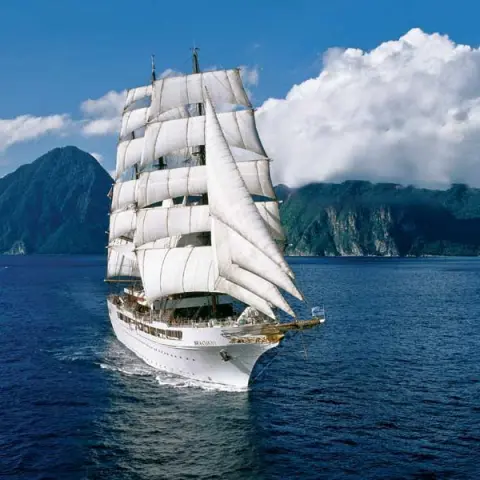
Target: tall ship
(195, 240)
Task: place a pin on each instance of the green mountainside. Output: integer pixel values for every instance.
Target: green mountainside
(57, 204)
(361, 218)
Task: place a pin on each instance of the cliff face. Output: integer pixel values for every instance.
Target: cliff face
(359, 218)
(57, 204)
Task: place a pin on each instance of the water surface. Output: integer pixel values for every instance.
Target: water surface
(390, 387)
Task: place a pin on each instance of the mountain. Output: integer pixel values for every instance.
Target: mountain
(57, 204)
(361, 218)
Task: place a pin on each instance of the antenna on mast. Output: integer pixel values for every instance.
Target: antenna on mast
(154, 75)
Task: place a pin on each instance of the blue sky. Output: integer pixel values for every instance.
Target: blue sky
(57, 54)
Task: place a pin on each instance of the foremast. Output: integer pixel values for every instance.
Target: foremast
(164, 242)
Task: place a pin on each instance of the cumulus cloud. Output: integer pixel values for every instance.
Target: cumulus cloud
(103, 115)
(407, 111)
(28, 127)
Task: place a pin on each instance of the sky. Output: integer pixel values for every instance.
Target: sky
(377, 90)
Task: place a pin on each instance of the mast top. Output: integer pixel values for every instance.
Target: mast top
(154, 76)
(196, 65)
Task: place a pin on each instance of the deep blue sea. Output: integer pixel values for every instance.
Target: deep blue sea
(390, 388)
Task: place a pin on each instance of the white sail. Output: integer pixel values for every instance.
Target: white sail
(175, 270)
(246, 296)
(169, 271)
(121, 260)
(129, 153)
(135, 94)
(162, 138)
(250, 257)
(122, 224)
(153, 187)
(154, 223)
(229, 198)
(133, 120)
(123, 194)
(270, 214)
(225, 87)
(225, 268)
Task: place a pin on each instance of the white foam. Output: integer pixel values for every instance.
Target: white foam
(175, 381)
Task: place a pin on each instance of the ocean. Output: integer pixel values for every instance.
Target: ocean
(387, 388)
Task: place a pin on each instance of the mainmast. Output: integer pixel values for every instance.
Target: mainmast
(161, 163)
(202, 159)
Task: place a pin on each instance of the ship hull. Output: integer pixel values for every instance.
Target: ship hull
(199, 360)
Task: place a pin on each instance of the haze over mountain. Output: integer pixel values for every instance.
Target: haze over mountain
(57, 204)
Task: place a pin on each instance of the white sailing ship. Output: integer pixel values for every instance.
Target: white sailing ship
(195, 231)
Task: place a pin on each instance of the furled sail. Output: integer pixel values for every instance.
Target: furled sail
(153, 187)
(225, 87)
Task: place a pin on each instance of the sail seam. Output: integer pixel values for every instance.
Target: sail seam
(239, 130)
(185, 268)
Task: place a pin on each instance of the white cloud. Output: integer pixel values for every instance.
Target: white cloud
(97, 156)
(103, 114)
(407, 111)
(169, 73)
(28, 127)
(110, 105)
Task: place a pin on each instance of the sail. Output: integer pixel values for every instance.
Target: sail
(169, 271)
(133, 120)
(162, 138)
(154, 223)
(153, 187)
(225, 268)
(129, 153)
(136, 94)
(175, 270)
(229, 198)
(123, 194)
(225, 87)
(250, 257)
(121, 260)
(122, 224)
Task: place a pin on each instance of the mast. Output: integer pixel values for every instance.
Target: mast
(161, 163)
(202, 161)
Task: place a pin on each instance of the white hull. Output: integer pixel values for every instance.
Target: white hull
(196, 355)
